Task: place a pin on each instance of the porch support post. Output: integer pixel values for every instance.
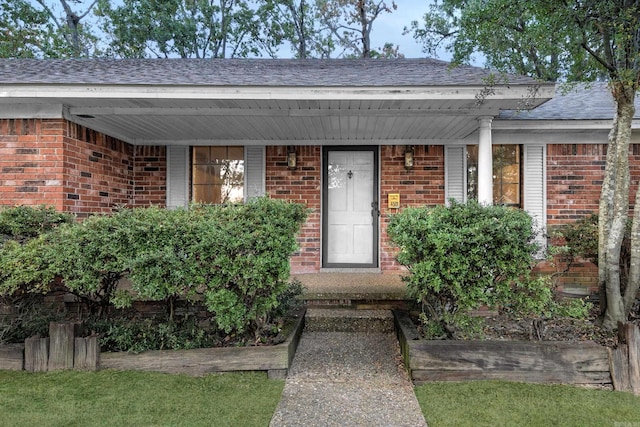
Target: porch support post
(485, 162)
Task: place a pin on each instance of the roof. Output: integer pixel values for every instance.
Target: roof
(246, 72)
(592, 101)
(259, 101)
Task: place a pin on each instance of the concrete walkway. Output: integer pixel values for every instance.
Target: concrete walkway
(348, 379)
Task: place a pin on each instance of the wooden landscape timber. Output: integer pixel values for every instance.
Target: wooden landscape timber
(12, 357)
(625, 360)
(550, 362)
(274, 359)
(83, 353)
(36, 354)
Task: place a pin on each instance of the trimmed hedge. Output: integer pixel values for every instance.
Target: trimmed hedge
(468, 255)
(22, 223)
(234, 258)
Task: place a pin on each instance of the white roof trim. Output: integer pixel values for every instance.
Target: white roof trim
(31, 111)
(17, 91)
(551, 125)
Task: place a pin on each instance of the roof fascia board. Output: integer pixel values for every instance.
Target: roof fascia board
(543, 92)
(31, 111)
(254, 112)
(565, 137)
(551, 125)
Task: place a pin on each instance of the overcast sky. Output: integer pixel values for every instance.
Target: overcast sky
(389, 27)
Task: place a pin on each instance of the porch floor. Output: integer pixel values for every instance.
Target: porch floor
(353, 286)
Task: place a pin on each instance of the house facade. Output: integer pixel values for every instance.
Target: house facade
(353, 140)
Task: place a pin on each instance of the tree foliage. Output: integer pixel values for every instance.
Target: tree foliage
(513, 37)
(190, 28)
(350, 23)
(26, 32)
(46, 29)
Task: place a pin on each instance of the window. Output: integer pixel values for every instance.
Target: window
(506, 174)
(217, 174)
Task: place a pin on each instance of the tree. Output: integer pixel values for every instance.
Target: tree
(188, 29)
(572, 40)
(34, 29)
(22, 33)
(298, 25)
(350, 22)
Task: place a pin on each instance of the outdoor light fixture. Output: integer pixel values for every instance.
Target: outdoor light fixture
(408, 157)
(292, 161)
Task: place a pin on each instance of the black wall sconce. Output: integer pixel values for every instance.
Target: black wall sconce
(408, 157)
(292, 160)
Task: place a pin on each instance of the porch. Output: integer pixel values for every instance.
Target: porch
(360, 290)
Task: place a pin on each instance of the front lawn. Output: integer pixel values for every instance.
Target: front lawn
(112, 398)
(489, 403)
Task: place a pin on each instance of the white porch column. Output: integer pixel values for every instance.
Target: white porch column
(485, 162)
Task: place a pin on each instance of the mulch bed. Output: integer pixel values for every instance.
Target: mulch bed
(568, 330)
(501, 327)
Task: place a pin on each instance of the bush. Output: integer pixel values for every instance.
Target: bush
(22, 223)
(242, 260)
(235, 258)
(467, 255)
(135, 335)
(581, 241)
(31, 317)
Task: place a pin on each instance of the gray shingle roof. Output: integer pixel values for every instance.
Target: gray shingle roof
(582, 102)
(245, 72)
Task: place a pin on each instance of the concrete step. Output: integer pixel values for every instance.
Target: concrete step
(348, 320)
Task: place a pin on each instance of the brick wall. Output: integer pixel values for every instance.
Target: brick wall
(98, 173)
(75, 169)
(301, 185)
(574, 181)
(149, 176)
(32, 162)
(422, 185)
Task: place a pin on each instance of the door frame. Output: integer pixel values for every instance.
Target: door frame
(325, 205)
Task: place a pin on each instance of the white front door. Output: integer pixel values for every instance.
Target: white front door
(350, 207)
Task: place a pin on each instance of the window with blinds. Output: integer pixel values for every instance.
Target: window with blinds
(507, 174)
(218, 174)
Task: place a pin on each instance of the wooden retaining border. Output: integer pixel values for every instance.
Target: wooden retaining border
(523, 361)
(63, 349)
(38, 354)
(12, 357)
(274, 359)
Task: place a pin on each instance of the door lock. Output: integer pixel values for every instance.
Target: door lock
(375, 212)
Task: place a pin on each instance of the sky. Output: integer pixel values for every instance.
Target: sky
(389, 27)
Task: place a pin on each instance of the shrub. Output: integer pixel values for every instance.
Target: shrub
(468, 255)
(135, 335)
(31, 316)
(242, 259)
(235, 258)
(581, 241)
(26, 222)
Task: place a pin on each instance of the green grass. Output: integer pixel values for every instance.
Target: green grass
(111, 398)
(488, 403)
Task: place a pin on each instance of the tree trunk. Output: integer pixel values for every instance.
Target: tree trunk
(364, 29)
(624, 95)
(605, 213)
